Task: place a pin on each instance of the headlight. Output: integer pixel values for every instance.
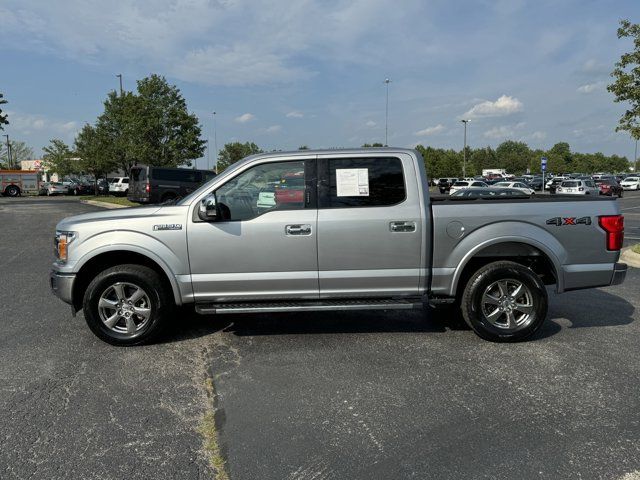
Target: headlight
(62, 241)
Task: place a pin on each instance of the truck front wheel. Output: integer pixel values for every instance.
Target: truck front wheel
(127, 305)
(12, 191)
(504, 302)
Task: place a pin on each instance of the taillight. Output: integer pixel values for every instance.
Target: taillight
(147, 188)
(614, 226)
(581, 189)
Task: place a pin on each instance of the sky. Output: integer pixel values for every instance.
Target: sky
(302, 72)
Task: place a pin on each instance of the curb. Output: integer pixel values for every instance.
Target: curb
(630, 258)
(102, 204)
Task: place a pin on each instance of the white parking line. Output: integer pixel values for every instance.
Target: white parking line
(629, 208)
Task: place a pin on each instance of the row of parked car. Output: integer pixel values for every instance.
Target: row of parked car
(86, 186)
(576, 184)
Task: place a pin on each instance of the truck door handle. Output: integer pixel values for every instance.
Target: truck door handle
(298, 229)
(402, 226)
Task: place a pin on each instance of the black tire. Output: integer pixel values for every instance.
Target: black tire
(472, 303)
(161, 304)
(12, 191)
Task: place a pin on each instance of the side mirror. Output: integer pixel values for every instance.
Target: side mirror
(208, 208)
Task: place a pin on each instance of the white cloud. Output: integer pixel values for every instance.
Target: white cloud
(295, 114)
(503, 131)
(371, 123)
(28, 123)
(245, 117)
(273, 129)
(431, 131)
(590, 87)
(538, 135)
(503, 106)
(199, 40)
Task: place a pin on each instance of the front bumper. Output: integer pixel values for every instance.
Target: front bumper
(619, 273)
(62, 285)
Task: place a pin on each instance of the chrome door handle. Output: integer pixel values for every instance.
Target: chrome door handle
(298, 229)
(402, 226)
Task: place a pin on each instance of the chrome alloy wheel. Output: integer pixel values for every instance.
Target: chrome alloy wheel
(124, 308)
(508, 304)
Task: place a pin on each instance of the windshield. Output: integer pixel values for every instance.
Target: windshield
(570, 184)
(461, 184)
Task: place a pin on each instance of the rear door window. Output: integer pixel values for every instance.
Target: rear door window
(361, 182)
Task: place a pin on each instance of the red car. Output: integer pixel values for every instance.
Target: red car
(290, 190)
(609, 187)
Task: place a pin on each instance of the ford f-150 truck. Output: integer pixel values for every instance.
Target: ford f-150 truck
(365, 234)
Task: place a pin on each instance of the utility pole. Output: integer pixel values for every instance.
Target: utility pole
(386, 115)
(120, 77)
(215, 141)
(8, 152)
(464, 151)
(635, 156)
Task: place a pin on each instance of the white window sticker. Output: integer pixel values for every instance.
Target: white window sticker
(352, 182)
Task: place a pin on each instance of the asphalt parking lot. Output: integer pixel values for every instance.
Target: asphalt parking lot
(313, 396)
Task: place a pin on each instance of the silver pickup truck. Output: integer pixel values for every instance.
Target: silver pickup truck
(333, 230)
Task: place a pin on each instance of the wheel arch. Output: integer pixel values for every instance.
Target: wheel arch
(524, 250)
(119, 256)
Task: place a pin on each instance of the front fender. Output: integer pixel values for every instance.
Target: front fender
(173, 261)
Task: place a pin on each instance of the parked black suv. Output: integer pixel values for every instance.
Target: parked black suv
(149, 184)
(444, 184)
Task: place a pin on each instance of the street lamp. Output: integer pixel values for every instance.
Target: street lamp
(464, 151)
(8, 152)
(120, 77)
(635, 156)
(386, 115)
(215, 141)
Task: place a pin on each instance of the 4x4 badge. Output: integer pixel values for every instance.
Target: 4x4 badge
(559, 221)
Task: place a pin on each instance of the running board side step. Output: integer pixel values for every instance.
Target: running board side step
(308, 306)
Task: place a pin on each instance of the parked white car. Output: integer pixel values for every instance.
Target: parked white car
(578, 187)
(630, 183)
(517, 185)
(462, 184)
(119, 185)
(550, 181)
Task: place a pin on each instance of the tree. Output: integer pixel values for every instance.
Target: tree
(303, 147)
(626, 86)
(172, 134)
(233, 152)
(19, 151)
(120, 125)
(480, 159)
(58, 158)
(152, 126)
(3, 116)
(513, 156)
(96, 156)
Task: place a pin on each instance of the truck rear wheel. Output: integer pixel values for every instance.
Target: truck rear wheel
(127, 305)
(12, 191)
(504, 302)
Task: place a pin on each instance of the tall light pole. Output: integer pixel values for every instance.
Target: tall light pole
(386, 115)
(120, 77)
(8, 152)
(464, 151)
(215, 141)
(635, 156)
